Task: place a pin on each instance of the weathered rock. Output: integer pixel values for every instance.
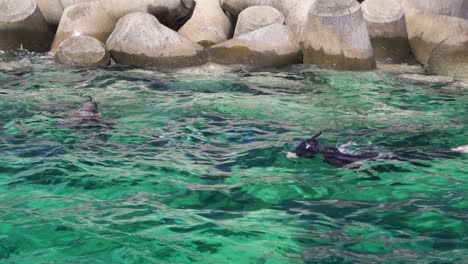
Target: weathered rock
(255, 17)
(208, 24)
(450, 57)
(84, 19)
(23, 25)
(139, 39)
(268, 46)
(82, 51)
(387, 29)
(431, 21)
(52, 11)
(336, 36)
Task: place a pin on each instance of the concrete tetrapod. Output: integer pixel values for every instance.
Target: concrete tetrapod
(82, 51)
(336, 36)
(22, 25)
(429, 31)
(139, 39)
(387, 29)
(294, 11)
(98, 18)
(169, 12)
(208, 24)
(255, 17)
(84, 19)
(450, 57)
(431, 21)
(52, 11)
(268, 46)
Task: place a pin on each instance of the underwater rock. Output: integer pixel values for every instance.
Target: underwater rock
(84, 19)
(427, 79)
(208, 24)
(268, 46)
(429, 22)
(336, 36)
(22, 25)
(139, 39)
(256, 17)
(386, 24)
(82, 51)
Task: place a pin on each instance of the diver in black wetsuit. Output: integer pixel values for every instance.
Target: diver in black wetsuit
(332, 155)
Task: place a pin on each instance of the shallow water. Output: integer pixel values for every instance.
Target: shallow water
(195, 171)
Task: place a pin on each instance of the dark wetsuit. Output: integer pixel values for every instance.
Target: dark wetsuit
(333, 156)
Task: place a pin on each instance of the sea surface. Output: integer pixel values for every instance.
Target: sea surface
(194, 169)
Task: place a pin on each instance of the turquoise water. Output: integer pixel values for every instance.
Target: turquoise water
(194, 171)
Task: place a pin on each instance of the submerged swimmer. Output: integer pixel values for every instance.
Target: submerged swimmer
(310, 147)
(87, 116)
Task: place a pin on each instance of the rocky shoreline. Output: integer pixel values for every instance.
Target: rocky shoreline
(332, 34)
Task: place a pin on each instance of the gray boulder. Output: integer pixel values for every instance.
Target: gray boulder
(82, 51)
(268, 46)
(386, 24)
(336, 36)
(255, 17)
(208, 24)
(139, 39)
(22, 25)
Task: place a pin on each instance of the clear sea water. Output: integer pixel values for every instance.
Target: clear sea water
(195, 168)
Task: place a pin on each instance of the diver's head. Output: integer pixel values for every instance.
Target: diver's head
(90, 106)
(307, 148)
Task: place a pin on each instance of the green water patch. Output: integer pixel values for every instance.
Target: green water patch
(195, 169)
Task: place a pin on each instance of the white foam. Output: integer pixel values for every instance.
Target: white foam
(462, 149)
(347, 148)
